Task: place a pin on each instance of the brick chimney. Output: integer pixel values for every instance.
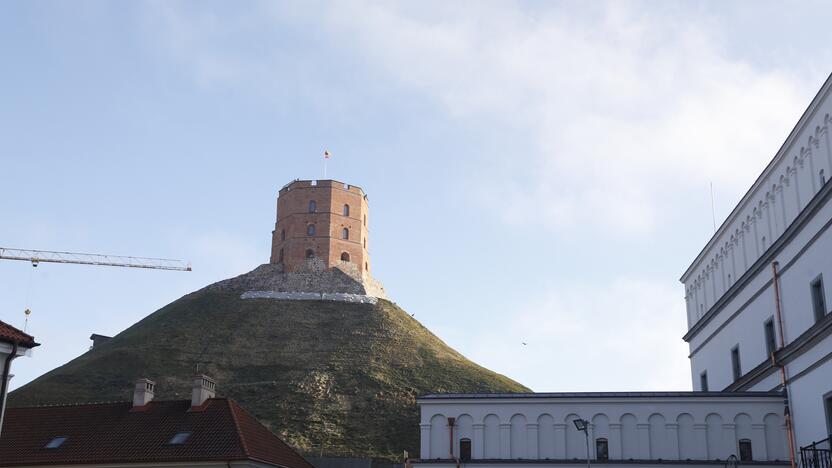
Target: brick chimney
(143, 392)
(204, 387)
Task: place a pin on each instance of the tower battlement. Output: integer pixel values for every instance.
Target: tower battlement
(322, 222)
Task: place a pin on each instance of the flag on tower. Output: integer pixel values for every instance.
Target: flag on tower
(327, 154)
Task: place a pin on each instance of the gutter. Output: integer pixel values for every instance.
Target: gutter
(4, 385)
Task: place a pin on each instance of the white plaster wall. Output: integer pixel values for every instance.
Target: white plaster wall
(640, 428)
(775, 199)
(741, 320)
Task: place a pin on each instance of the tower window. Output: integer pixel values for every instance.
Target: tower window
(771, 344)
(366, 266)
(346, 210)
(310, 253)
(345, 233)
(745, 450)
(310, 230)
(818, 298)
(313, 207)
(822, 177)
(602, 449)
(465, 450)
(365, 220)
(703, 381)
(345, 257)
(365, 242)
(280, 256)
(736, 368)
(282, 234)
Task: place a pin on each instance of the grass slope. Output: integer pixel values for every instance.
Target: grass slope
(328, 377)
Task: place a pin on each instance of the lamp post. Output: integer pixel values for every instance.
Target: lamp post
(583, 426)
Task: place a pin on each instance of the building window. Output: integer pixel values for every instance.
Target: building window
(735, 362)
(345, 257)
(310, 229)
(465, 450)
(280, 256)
(366, 266)
(55, 443)
(822, 177)
(764, 243)
(179, 438)
(365, 242)
(310, 253)
(365, 220)
(313, 207)
(346, 210)
(771, 344)
(745, 450)
(703, 381)
(282, 234)
(827, 406)
(345, 233)
(818, 298)
(602, 450)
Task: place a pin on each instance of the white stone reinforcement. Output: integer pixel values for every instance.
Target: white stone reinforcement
(310, 296)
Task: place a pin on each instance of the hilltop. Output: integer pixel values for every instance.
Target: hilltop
(337, 378)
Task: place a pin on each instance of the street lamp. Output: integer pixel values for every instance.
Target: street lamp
(583, 426)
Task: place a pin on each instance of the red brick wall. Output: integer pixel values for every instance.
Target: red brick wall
(293, 217)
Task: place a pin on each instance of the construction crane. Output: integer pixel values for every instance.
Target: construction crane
(47, 256)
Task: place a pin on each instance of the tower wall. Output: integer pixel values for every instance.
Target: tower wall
(292, 240)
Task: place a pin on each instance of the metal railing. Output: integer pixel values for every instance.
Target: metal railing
(817, 454)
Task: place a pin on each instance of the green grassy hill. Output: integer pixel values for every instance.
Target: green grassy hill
(328, 377)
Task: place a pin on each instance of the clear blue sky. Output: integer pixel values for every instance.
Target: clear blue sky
(538, 172)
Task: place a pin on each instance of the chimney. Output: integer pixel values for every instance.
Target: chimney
(204, 387)
(143, 392)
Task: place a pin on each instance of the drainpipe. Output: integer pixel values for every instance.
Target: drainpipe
(783, 378)
(4, 385)
(451, 440)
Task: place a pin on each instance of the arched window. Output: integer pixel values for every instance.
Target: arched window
(310, 229)
(310, 253)
(345, 233)
(365, 242)
(346, 210)
(280, 256)
(365, 220)
(465, 450)
(602, 451)
(345, 257)
(745, 450)
(313, 207)
(366, 266)
(283, 234)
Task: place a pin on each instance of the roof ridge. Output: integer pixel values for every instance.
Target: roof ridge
(232, 406)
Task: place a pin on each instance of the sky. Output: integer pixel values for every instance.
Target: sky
(538, 172)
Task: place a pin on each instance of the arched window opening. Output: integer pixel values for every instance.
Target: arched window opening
(346, 210)
(602, 450)
(310, 253)
(745, 450)
(365, 242)
(345, 257)
(313, 207)
(365, 220)
(465, 450)
(280, 256)
(283, 234)
(366, 266)
(310, 229)
(345, 233)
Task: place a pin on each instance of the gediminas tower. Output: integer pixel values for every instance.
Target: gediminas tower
(322, 220)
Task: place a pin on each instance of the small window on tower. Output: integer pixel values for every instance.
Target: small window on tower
(365, 220)
(345, 257)
(310, 230)
(280, 256)
(313, 207)
(310, 253)
(771, 344)
(346, 210)
(283, 234)
(822, 177)
(703, 381)
(736, 368)
(345, 233)
(365, 242)
(818, 299)
(366, 266)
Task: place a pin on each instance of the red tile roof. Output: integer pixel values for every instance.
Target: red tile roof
(110, 433)
(10, 334)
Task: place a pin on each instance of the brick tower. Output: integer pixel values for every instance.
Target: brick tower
(321, 221)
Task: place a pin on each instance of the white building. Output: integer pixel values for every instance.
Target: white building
(13, 344)
(759, 333)
(759, 286)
